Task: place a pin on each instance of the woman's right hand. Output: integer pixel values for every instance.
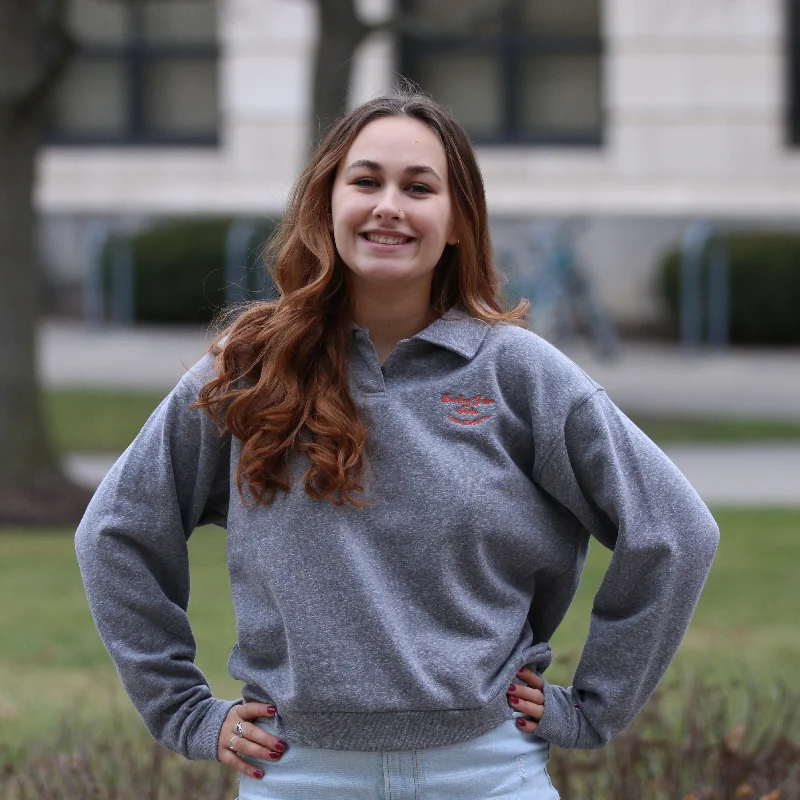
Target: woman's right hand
(240, 736)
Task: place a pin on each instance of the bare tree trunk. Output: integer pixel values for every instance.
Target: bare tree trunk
(23, 440)
(32, 488)
(340, 33)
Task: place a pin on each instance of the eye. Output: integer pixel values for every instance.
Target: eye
(419, 188)
(367, 182)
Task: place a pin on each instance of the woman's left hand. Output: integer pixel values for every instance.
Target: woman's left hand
(528, 699)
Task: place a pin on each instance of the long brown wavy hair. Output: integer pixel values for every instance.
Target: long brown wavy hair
(281, 385)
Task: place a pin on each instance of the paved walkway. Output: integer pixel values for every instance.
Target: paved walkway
(661, 379)
(646, 379)
(764, 475)
(658, 379)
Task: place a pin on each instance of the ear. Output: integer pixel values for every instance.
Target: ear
(454, 235)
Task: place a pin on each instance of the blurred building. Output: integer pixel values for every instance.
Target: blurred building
(635, 114)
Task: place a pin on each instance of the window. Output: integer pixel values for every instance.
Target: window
(793, 64)
(529, 73)
(145, 73)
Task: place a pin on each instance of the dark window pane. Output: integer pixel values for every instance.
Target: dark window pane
(181, 21)
(181, 96)
(443, 17)
(571, 17)
(91, 99)
(561, 93)
(793, 44)
(97, 21)
(470, 86)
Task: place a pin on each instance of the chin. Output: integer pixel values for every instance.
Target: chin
(387, 275)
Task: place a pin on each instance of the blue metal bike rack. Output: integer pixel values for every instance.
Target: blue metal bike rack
(559, 289)
(116, 306)
(237, 252)
(96, 236)
(122, 299)
(700, 242)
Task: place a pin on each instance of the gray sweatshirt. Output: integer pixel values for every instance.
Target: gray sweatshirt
(492, 461)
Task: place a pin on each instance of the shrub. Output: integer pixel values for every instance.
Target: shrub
(685, 745)
(179, 269)
(111, 765)
(764, 287)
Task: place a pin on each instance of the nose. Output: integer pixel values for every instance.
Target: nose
(388, 205)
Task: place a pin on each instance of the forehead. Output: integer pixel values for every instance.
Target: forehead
(400, 141)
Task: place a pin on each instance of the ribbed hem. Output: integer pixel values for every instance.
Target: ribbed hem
(391, 730)
(398, 730)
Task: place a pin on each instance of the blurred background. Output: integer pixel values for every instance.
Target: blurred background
(641, 160)
(642, 166)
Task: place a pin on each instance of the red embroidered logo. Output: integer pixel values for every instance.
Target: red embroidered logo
(468, 409)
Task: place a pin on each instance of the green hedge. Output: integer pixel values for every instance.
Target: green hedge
(179, 269)
(764, 286)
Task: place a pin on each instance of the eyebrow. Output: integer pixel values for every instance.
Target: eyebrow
(414, 169)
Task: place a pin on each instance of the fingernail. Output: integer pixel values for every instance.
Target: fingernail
(520, 723)
(514, 700)
(258, 774)
(512, 687)
(520, 671)
(272, 710)
(279, 746)
(274, 756)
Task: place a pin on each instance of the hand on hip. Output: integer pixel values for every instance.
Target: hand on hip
(239, 736)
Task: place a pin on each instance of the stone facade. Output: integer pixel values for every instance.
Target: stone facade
(695, 125)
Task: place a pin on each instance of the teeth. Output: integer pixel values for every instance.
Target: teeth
(374, 237)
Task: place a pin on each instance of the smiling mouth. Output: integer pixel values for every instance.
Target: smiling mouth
(383, 239)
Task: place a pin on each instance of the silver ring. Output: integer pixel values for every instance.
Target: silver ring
(230, 746)
(240, 729)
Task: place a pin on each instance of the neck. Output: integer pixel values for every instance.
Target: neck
(392, 314)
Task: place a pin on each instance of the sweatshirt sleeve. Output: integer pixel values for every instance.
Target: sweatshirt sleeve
(633, 499)
(132, 551)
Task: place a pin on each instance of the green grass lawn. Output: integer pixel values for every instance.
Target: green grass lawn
(96, 421)
(670, 430)
(746, 624)
(52, 663)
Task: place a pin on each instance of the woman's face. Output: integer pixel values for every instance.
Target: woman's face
(391, 205)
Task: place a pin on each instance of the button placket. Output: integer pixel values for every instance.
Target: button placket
(368, 374)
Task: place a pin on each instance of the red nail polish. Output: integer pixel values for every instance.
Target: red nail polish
(279, 746)
(258, 774)
(514, 700)
(512, 687)
(272, 710)
(520, 722)
(274, 756)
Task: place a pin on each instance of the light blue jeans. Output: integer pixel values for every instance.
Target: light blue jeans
(503, 764)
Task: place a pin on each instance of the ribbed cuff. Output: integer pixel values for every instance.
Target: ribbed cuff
(563, 723)
(559, 724)
(204, 741)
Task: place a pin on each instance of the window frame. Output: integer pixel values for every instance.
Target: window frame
(134, 54)
(792, 10)
(509, 48)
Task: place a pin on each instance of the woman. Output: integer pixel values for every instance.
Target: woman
(409, 480)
